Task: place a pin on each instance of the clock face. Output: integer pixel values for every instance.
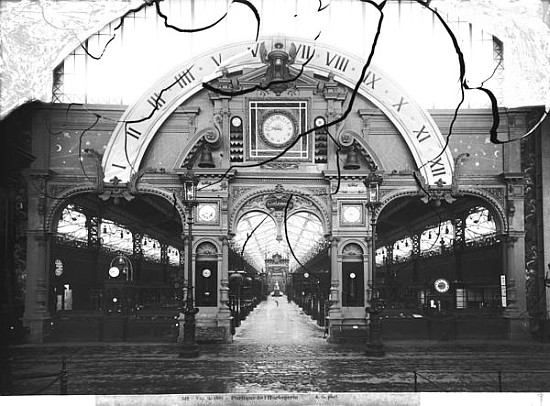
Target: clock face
(114, 272)
(206, 273)
(278, 129)
(207, 212)
(441, 285)
(319, 121)
(236, 121)
(352, 214)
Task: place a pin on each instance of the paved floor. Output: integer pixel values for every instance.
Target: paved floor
(280, 349)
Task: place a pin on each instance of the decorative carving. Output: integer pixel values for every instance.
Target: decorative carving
(332, 90)
(278, 61)
(207, 248)
(237, 191)
(433, 195)
(280, 165)
(532, 216)
(497, 193)
(352, 249)
(117, 191)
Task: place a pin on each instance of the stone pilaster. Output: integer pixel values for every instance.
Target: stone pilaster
(36, 314)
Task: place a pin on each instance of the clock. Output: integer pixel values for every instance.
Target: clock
(236, 121)
(319, 121)
(351, 213)
(206, 273)
(441, 285)
(207, 212)
(114, 272)
(278, 129)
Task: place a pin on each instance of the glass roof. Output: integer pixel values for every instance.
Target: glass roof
(479, 224)
(263, 238)
(72, 225)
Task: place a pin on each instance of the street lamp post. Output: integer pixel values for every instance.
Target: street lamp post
(189, 348)
(375, 347)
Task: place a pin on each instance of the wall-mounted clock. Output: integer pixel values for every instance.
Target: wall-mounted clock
(207, 212)
(114, 272)
(206, 273)
(278, 129)
(319, 121)
(236, 121)
(442, 285)
(274, 125)
(352, 213)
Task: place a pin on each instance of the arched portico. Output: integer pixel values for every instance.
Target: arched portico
(141, 121)
(230, 140)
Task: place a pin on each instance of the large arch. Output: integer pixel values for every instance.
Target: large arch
(140, 122)
(239, 204)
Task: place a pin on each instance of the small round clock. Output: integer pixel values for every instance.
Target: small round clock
(207, 212)
(114, 272)
(352, 214)
(441, 285)
(278, 129)
(206, 273)
(236, 121)
(319, 121)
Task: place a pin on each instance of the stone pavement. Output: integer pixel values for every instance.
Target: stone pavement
(280, 349)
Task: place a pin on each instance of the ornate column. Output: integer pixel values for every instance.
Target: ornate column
(224, 275)
(514, 248)
(36, 291)
(335, 280)
(36, 312)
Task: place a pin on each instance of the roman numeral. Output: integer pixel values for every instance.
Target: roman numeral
(340, 62)
(217, 59)
(119, 166)
(306, 51)
(186, 77)
(437, 167)
(371, 81)
(422, 135)
(400, 104)
(255, 50)
(156, 101)
(133, 133)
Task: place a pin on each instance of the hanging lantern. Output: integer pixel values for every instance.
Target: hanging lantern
(190, 182)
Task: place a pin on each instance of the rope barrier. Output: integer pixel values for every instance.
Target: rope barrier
(60, 376)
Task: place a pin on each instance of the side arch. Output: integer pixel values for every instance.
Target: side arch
(54, 211)
(492, 203)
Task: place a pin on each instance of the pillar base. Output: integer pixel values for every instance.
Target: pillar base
(375, 350)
